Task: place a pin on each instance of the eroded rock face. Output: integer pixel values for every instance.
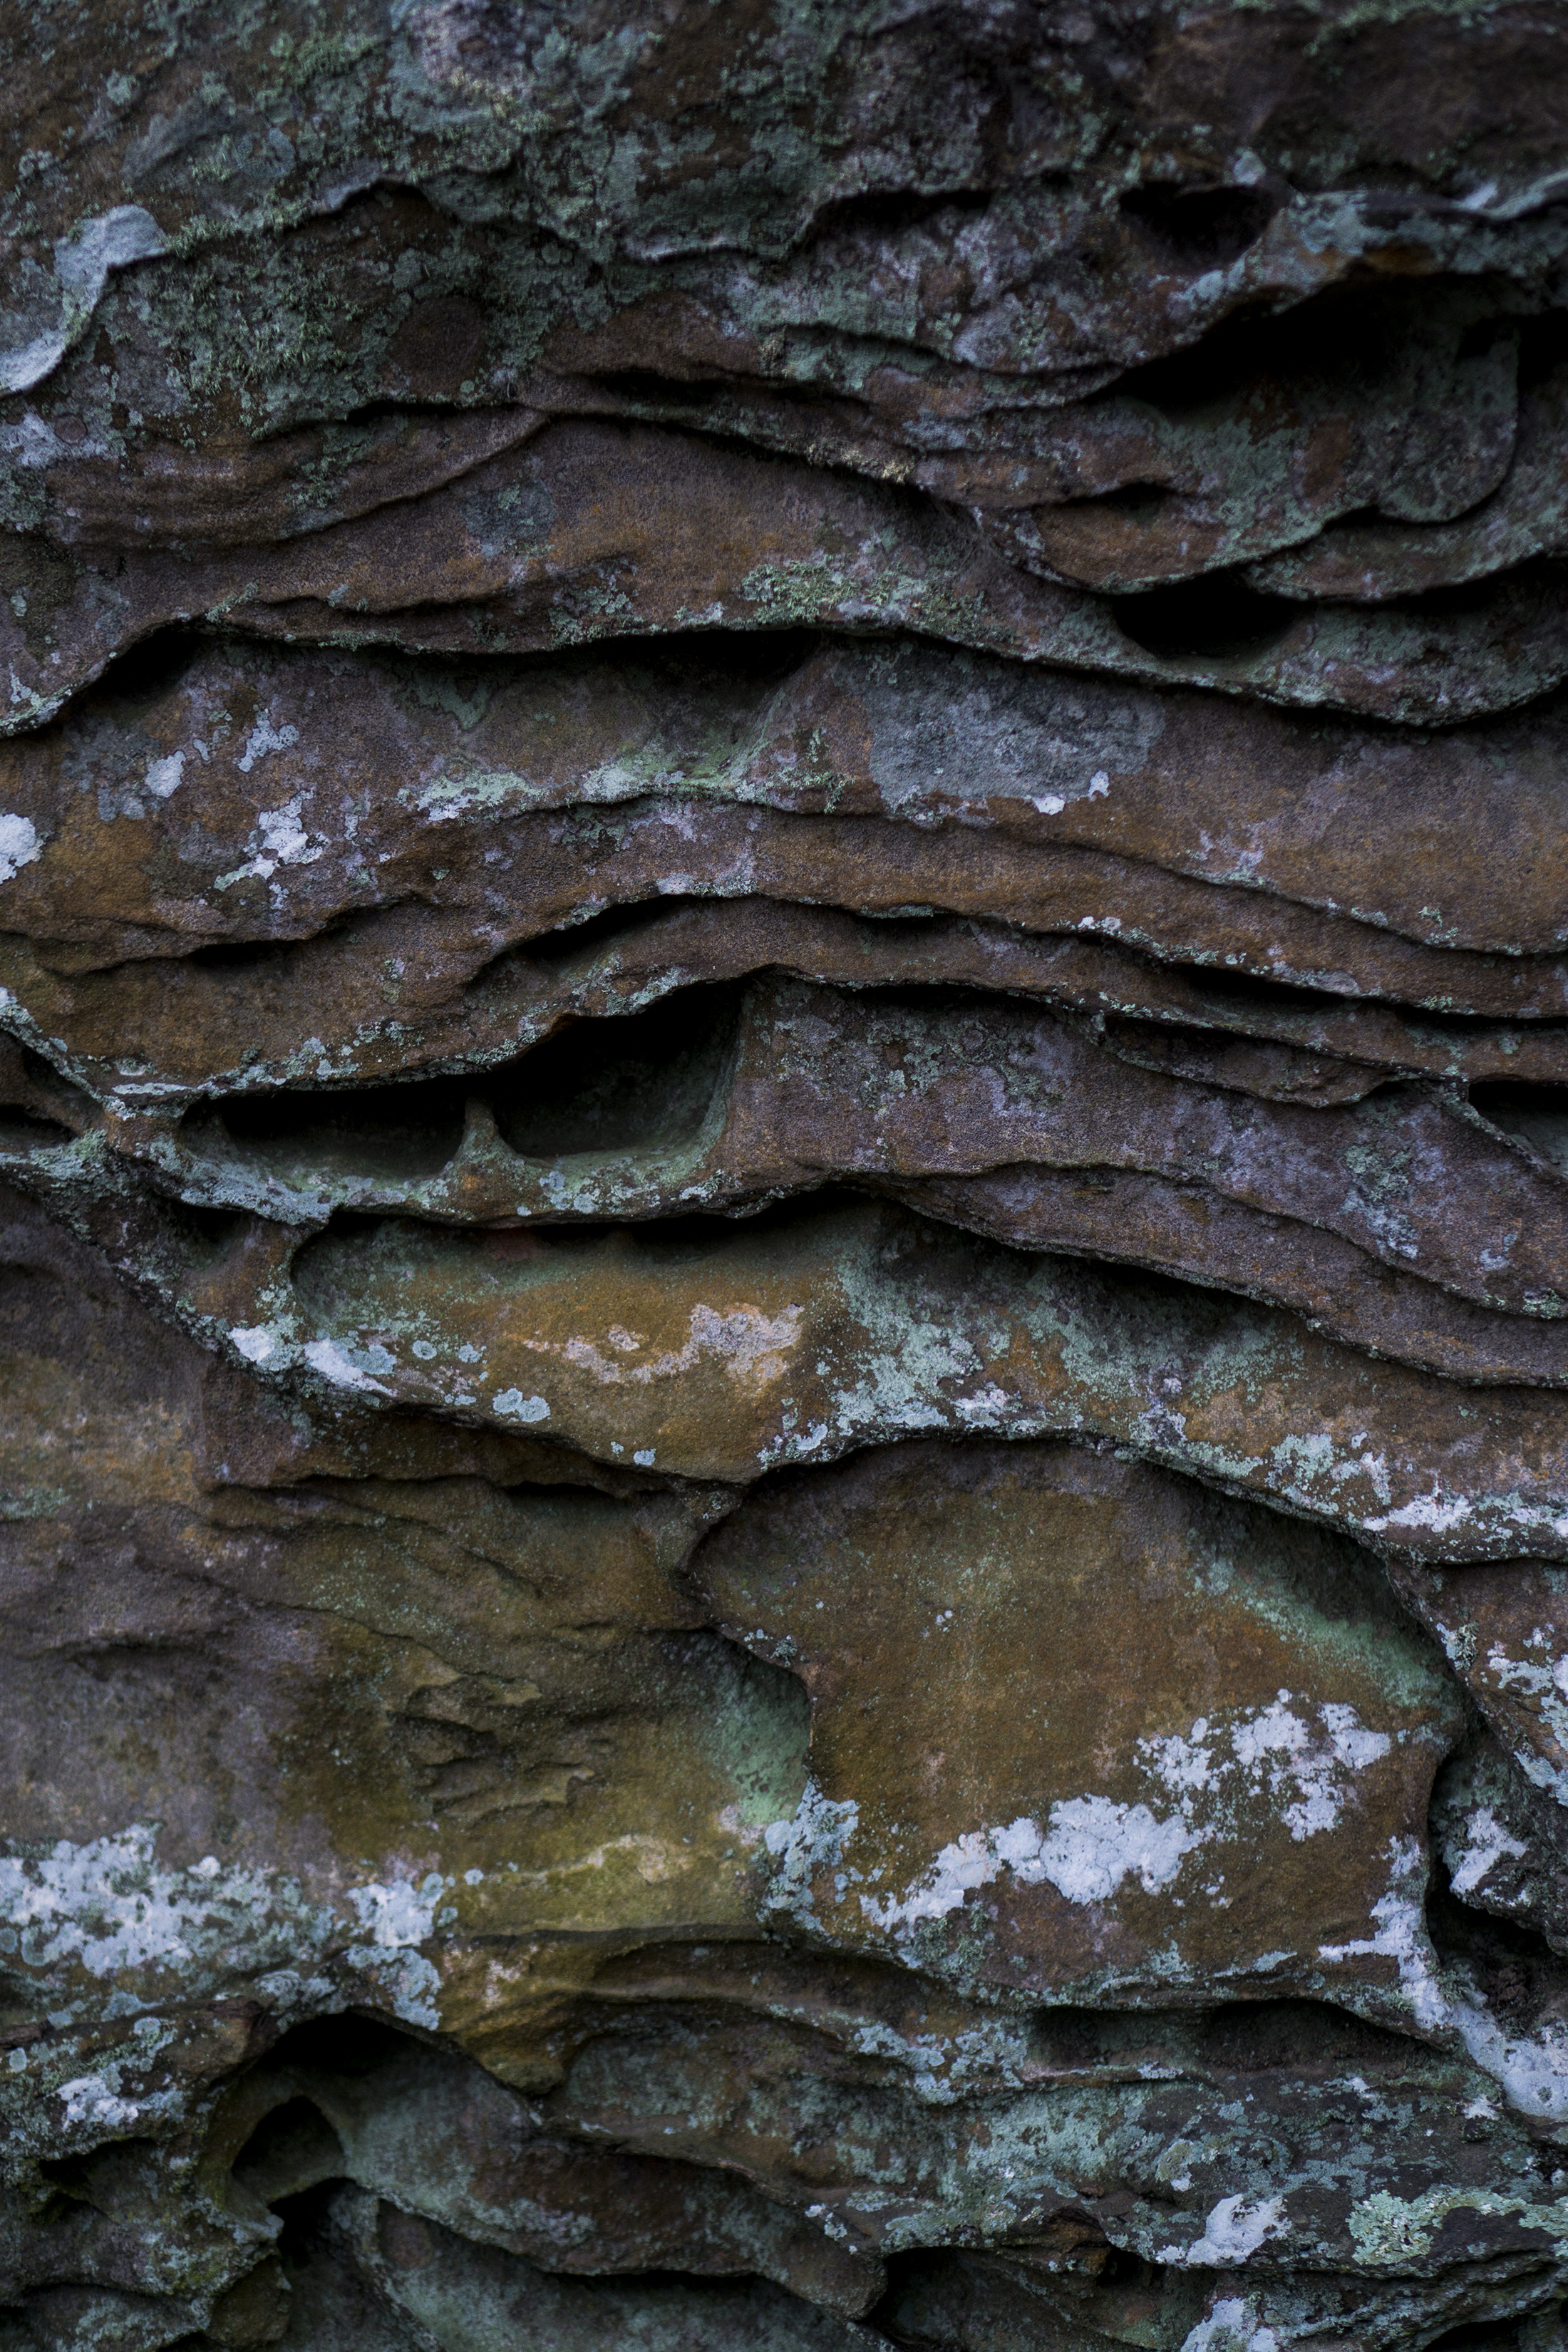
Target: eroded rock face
(784, 1107)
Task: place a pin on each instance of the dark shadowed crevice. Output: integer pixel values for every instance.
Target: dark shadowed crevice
(291, 2150)
(1535, 1116)
(1202, 229)
(639, 1081)
(1216, 617)
(408, 1130)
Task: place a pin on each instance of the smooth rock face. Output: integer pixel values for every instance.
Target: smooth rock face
(784, 1114)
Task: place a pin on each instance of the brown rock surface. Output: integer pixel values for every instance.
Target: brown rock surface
(783, 1107)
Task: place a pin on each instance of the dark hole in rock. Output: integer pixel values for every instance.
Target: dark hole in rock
(891, 212)
(23, 1130)
(1506, 1098)
(1467, 600)
(291, 2149)
(656, 388)
(342, 2042)
(334, 2307)
(1536, 1115)
(403, 1131)
(367, 414)
(254, 958)
(1233, 353)
(75, 1105)
(1067, 2288)
(1251, 991)
(37, 1107)
(1121, 2268)
(1344, 336)
(1138, 500)
(305, 2218)
(1484, 2334)
(96, 2176)
(1537, 2329)
(150, 667)
(1515, 1967)
(240, 955)
(211, 1231)
(637, 1081)
(568, 939)
(353, 1224)
(634, 1081)
(1542, 347)
(1255, 2036)
(1214, 618)
(1480, 339)
(1475, 2336)
(1204, 228)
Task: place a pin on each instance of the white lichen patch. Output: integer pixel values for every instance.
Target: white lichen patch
(264, 736)
(806, 1846)
(752, 1346)
(279, 839)
(1274, 1753)
(93, 2099)
(106, 1908)
(165, 776)
(1540, 1677)
(1209, 1783)
(332, 1359)
(394, 1920)
(105, 1929)
(1088, 1848)
(1485, 1843)
(395, 1916)
(1235, 2229)
(1232, 2325)
(83, 260)
(255, 1342)
(19, 845)
(512, 1405)
(1445, 2001)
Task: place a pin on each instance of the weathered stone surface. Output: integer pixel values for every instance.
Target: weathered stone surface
(783, 1105)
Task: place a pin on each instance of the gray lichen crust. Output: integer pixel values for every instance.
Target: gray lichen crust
(783, 1115)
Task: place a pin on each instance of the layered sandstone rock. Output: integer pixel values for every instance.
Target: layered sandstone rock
(783, 1107)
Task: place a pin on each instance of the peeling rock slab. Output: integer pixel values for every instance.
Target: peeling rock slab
(719, 1356)
(555, 546)
(1142, 1824)
(783, 1098)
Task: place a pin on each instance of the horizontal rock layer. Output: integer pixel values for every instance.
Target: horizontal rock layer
(783, 1104)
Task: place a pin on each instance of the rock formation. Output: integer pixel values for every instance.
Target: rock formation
(783, 1115)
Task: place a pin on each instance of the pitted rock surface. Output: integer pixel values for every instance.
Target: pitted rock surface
(783, 1115)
